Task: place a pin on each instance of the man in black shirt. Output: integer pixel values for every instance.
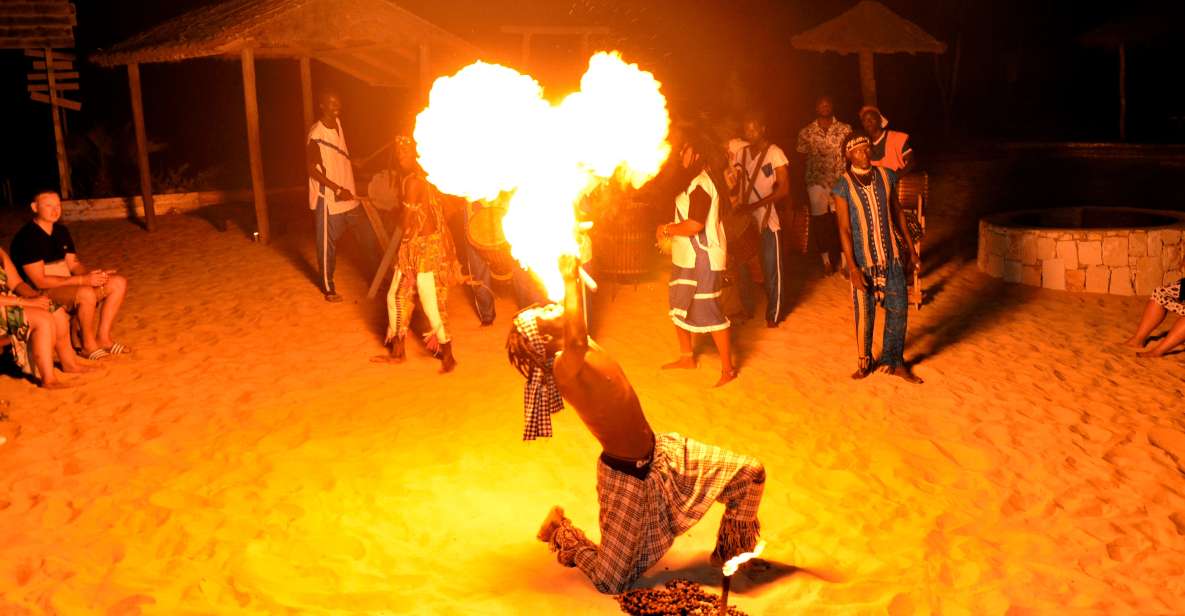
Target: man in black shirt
(45, 254)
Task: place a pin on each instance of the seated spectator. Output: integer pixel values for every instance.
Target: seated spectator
(1165, 299)
(37, 323)
(48, 261)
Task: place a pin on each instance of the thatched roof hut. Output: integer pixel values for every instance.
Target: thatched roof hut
(865, 29)
(375, 41)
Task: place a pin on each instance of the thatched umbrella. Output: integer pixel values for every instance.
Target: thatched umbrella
(1141, 29)
(865, 29)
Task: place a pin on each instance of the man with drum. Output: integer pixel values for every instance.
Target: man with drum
(698, 254)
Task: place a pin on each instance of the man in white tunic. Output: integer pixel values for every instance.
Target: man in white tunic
(331, 193)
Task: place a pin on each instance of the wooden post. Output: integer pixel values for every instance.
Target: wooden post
(252, 105)
(867, 78)
(425, 70)
(58, 135)
(1122, 92)
(526, 51)
(306, 91)
(141, 146)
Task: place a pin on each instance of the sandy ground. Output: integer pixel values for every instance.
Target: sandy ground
(248, 459)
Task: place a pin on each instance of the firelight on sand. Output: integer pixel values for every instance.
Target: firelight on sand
(489, 135)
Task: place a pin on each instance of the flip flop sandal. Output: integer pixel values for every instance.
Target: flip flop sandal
(119, 349)
(98, 354)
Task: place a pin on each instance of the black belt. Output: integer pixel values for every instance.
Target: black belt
(634, 468)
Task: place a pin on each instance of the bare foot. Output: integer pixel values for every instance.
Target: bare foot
(726, 376)
(1134, 343)
(1149, 354)
(80, 368)
(902, 372)
(386, 359)
(684, 362)
(55, 385)
(552, 522)
(861, 373)
(448, 363)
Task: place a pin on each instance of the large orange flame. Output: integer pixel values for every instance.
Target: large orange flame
(488, 132)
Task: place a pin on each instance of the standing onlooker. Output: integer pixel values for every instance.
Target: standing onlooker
(871, 229)
(331, 192)
(888, 148)
(698, 251)
(765, 181)
(820, 142)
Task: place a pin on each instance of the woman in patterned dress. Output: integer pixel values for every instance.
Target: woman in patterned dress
(1164, 300)
(35, 329)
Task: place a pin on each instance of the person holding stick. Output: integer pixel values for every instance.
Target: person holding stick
(651, 488)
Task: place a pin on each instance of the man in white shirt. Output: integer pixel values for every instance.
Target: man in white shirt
(765, 181)
(331, 193)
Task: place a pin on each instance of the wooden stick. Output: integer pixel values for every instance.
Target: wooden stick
(384, 266)
(723, 609)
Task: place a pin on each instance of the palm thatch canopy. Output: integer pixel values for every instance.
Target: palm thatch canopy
(1148, 28)
(373, 40)
(865, 29)
(868, 26)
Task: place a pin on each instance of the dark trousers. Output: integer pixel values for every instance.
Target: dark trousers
(771, 270)
(330, 228)
(896, 318)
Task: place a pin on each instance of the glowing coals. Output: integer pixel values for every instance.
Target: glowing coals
(488, 134)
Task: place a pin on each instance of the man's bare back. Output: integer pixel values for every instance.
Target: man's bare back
(603, 398)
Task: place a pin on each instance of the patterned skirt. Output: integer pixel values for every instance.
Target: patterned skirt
(1169, 297)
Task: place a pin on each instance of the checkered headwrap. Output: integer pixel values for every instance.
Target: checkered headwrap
(541, 397)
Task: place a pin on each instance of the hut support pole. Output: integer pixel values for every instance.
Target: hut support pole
(306, 91)
(252, 104)
(59, 135)
(867, 78)
(425, 70)
(141, 146)
(1122, 92)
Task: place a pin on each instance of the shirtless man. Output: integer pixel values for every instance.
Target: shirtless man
(651, 488)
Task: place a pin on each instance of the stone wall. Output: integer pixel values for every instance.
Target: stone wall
(1115, 261)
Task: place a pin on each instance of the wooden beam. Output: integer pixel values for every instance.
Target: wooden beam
(141, 146)
(867, 78)
(306, 92)
(58, 136)
(59, 86)
(37, 9)
(55, 101)
(1122, 92)
(57, 66)
(60, 76)
(252, 107)
(556, 30)
(22, 42)
(57, 55)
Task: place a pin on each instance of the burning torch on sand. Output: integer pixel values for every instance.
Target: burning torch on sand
(730, 568)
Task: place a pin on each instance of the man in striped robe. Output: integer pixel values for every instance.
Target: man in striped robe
(875, 241)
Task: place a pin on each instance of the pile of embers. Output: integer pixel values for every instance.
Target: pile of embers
(676, 598)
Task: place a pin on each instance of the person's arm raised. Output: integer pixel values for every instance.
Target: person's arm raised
(575, 334)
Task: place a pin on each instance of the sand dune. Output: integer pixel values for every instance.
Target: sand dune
(248, 459)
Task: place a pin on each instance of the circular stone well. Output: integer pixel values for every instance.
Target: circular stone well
(1121, 251)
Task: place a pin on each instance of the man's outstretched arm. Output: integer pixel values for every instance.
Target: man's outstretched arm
(575, 334)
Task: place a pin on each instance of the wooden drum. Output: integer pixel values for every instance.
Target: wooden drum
(486, 238)
(624, 242)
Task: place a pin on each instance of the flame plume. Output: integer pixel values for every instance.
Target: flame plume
(488, 134)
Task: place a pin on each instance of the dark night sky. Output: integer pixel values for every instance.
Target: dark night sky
(1023, 77)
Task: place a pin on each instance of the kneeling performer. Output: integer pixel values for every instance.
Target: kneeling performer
(651, 488)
